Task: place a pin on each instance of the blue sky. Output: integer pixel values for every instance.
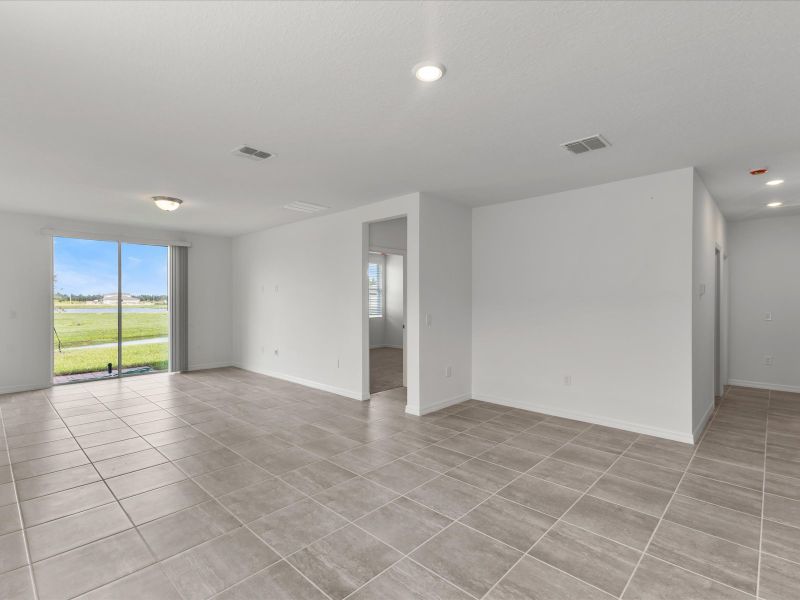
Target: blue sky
(90, 267)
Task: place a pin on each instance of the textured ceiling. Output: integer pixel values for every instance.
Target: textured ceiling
(105, 104)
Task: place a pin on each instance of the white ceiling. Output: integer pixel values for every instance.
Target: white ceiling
(105, 104)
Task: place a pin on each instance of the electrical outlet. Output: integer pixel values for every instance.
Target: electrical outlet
(768, 316)
(448, 372)
(276, 289)
(768, 360)
(276, 352)
(567, 379)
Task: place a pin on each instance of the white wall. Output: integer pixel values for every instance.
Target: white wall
(301, 289)
(388, 235)
(317, 317)
(594, 284)
(26, 292)
(445, 295)
(764, 257)
(393, 331)
(708, 226)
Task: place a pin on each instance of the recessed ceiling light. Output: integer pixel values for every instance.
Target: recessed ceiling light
(775, 204)
(167, 203)
(775, 182)
(429, 72)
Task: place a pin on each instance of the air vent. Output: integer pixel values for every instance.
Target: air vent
(251, 153)
(305, 207)
(595, 142)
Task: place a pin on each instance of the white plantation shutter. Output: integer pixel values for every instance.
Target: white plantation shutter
(375, 278)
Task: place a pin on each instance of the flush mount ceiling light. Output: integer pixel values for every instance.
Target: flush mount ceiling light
(775, 182)
(775, 204)
(429, 72)
(167, 203)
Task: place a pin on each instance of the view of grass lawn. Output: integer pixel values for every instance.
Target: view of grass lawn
(88, 360)
(88, 329)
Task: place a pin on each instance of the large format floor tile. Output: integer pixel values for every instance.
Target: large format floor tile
(233, 485)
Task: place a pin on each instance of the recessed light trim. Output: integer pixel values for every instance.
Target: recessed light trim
(428, 72)
(167, 203)
(775, 204)
(775, 182)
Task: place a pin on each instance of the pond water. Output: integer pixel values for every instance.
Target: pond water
(125, 309)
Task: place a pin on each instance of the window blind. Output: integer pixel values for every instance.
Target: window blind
(375, 278)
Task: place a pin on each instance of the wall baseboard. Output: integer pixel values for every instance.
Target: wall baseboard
(217, 365)
(698, 431)
(24, 387)
(762, 385)
(418, 412)
(678, 436)
(306, 382)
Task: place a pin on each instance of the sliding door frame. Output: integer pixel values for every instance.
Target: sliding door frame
(119, 240)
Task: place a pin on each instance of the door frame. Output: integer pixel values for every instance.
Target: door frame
(366, 248)
(119, 240)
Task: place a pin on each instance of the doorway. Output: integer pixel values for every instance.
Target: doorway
(386, 306)
(110, 309)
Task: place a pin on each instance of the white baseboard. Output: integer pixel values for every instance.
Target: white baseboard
(761, 385)
(698, 431)
(306, 382)
(24, 387)
(678, 436)
(418, 411)
(217, 365)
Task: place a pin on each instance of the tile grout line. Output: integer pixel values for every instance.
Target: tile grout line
(763, 499)
(350, 522)
(438, 473)
(675, 493)
(558, 520)
(29, 564)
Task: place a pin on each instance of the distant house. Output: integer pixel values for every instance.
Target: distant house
(126, 299)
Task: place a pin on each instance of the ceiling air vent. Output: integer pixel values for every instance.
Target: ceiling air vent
(251, 153)
(588, 144)
(305, 207)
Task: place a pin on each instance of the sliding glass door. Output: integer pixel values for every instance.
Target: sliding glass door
(145, 313)
(110, 314)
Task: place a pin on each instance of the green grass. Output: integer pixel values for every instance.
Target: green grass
(95, 305)
(86, 329)
(89, 360)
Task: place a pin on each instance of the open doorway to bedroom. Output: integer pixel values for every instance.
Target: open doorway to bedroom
(110, 309)
(386, 305)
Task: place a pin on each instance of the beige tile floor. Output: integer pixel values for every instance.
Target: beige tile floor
(232, 485)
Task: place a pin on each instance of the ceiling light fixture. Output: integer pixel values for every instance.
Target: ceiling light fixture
(775, 204)
(429, 72)
(167, 203)
(775, 182)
